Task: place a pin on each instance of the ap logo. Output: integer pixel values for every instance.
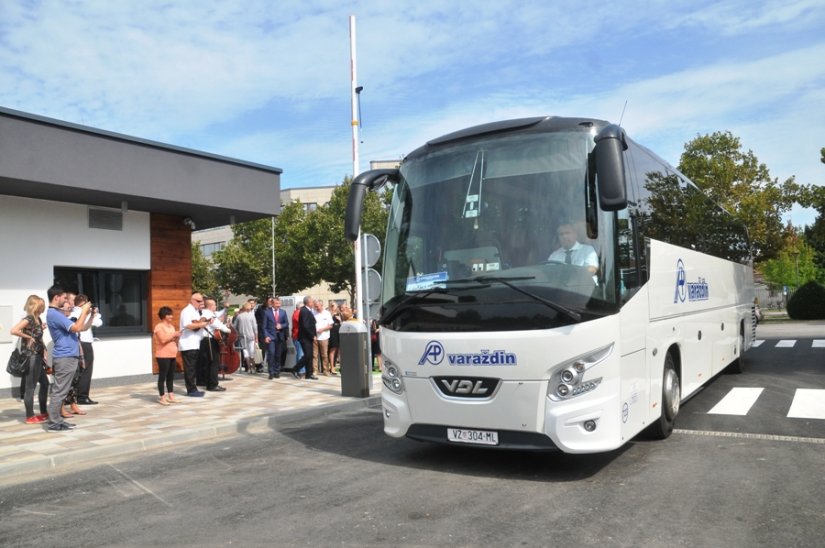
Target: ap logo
(679, 297)
(433, 354)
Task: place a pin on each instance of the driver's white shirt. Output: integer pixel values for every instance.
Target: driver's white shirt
(581, 255)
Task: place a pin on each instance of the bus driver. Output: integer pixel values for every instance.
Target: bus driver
(573, 252)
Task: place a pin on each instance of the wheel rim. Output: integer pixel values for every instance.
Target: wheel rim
(671, 394)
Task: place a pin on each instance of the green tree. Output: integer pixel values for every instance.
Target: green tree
(795, 263)
(204, 278)
(296, 254)
(815, 237)
(814, 196)
(309, 247)
(244, 265)
(738, 182)
(337, 261)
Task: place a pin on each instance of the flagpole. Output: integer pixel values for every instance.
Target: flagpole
(355, 167)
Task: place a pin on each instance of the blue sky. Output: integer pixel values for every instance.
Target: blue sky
(269, 81)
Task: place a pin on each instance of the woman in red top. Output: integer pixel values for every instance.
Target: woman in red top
(166, 352)
(299, 352)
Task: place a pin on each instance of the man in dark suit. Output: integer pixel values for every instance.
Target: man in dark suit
(282, 329)
(274, 319)
(306, 336)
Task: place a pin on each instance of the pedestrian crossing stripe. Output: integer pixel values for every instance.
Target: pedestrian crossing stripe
(808, 403)
(789, 343)
(737, 402)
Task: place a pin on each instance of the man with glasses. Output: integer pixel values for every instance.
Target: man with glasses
(191, 325)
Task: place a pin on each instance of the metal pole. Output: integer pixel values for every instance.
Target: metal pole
(359, 290)
(273, 257)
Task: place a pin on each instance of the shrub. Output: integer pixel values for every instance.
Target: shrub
(808, 302)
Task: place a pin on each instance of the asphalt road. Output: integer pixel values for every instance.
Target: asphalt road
(720, 480)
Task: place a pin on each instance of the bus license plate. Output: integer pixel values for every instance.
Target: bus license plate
(482, 437)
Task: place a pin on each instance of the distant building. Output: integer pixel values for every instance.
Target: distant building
(385, 164)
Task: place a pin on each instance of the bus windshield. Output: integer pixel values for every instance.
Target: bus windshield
(499, 233)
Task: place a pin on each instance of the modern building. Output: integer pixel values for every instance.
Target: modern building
(111, 216)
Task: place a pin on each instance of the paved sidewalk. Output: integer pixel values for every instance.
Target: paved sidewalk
(128, 419)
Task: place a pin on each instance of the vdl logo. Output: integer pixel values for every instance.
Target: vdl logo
(693, 291)
(433, 354)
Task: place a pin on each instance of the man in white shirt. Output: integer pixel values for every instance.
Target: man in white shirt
(87, 337)
(573, 252)
(191, 325)
(320, 348)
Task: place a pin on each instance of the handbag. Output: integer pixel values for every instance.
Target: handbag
(18, 365)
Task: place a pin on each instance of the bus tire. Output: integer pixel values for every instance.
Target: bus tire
(738, 365)
(671, 400)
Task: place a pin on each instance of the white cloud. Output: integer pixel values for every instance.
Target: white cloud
(270, 82)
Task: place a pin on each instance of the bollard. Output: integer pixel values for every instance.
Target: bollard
(355, 370)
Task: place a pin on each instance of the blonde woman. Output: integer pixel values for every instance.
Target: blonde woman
(30, 331)
(334, 337)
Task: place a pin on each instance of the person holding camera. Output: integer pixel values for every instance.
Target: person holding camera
(65, 355)
(86, 339)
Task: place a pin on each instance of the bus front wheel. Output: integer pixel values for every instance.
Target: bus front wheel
(671, 399)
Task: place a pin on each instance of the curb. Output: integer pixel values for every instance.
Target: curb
(90, 456)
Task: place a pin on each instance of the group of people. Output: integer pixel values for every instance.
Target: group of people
(314, 331)
(69, 320)
(197, 337)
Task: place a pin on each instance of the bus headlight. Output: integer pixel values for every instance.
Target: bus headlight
(567, 380)
(392, 377)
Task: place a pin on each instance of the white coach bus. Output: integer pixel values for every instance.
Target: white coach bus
(494, 334)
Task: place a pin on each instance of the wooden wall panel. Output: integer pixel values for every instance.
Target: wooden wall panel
(170, 279)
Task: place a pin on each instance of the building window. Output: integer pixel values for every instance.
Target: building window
(208, 249)
(119, 295)
(310, 207)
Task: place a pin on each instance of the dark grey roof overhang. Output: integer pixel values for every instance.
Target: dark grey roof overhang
(48, 159)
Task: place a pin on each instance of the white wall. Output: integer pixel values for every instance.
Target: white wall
(36, 236)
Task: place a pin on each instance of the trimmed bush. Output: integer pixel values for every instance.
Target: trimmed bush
(807, 303)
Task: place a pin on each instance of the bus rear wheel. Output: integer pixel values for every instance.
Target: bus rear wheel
(738, 365)
(671, 399)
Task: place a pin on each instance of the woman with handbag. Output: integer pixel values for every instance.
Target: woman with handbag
(30, 331)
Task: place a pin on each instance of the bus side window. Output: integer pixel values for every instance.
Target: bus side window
(629, 275)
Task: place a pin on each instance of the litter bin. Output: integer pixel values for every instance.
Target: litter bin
(354, 349)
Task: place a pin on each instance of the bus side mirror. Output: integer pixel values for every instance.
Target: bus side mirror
(612, 187)
(369, 180)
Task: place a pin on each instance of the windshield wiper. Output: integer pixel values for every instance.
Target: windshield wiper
(407, 300)
(487, 280)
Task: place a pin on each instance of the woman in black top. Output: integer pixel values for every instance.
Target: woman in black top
(30, 331)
